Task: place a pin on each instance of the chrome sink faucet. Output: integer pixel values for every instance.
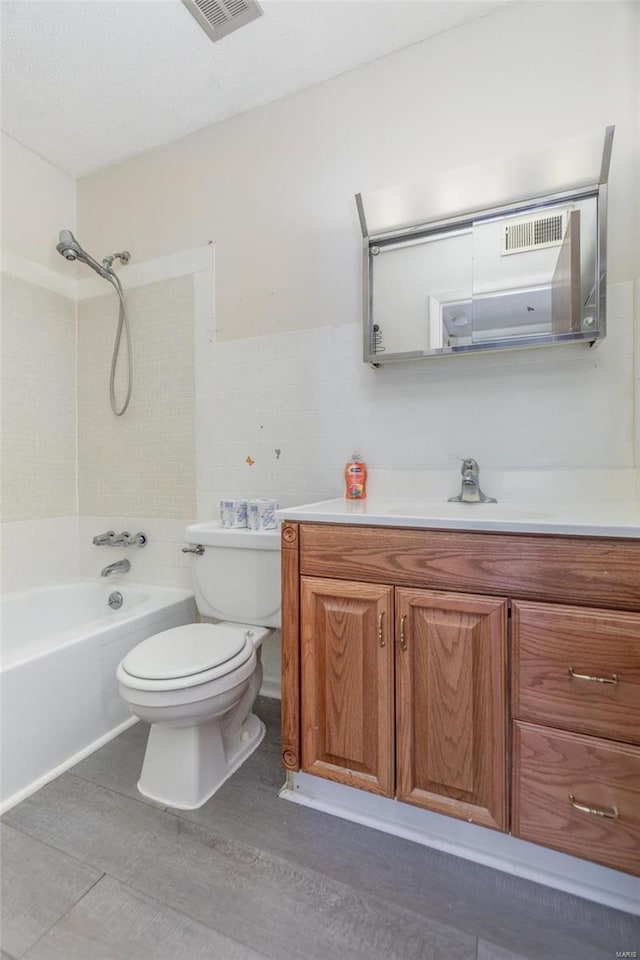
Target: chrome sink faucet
(120, 566)
(470, 491)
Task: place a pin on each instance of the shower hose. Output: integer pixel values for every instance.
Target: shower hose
(123, 323)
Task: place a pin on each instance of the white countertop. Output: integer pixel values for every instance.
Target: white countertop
(588, 519)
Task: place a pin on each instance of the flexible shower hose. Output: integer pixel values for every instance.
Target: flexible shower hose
(123, 321)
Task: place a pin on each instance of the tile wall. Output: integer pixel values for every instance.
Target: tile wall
(38, 402)
(279, 415)
(38, 364)
(143, 463)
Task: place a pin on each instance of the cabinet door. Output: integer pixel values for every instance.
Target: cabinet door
(347, 682)
(451, 704)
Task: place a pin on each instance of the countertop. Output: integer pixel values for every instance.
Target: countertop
(604, 519)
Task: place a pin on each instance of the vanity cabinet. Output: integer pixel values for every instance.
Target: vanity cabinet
(445, 655)
(490, 677)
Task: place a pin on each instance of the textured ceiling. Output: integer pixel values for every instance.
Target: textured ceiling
(87, 83)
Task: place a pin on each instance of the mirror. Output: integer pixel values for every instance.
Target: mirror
(524, 274)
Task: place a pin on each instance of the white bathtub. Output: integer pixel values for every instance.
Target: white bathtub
(60, 648)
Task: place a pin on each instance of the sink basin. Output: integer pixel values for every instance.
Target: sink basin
(469, 511)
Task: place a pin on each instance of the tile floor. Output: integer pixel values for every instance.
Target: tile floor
(90, 871)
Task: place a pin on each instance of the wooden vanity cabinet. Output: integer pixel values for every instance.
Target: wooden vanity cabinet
(448, 730)
(396, 677)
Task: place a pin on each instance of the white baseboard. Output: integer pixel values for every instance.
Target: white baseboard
(271, 688)
(63, 767)
(479, 844)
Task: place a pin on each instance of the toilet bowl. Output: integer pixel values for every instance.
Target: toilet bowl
(196, 684)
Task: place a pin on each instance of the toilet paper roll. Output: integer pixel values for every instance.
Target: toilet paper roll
(261, 514)
(233, 513)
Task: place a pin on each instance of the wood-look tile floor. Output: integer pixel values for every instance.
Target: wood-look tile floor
(90, 871)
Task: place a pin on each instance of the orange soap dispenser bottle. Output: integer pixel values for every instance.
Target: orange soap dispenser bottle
(355, 478)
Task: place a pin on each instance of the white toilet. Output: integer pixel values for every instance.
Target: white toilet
(196, 684)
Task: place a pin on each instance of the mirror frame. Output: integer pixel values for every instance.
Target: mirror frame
(433, 228)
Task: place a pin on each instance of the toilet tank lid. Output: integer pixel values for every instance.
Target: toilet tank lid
(211, 534)
(187, 650)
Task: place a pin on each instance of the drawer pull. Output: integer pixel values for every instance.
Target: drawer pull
(380, 636)
(611, 813)
(585, 676)
(403, 642)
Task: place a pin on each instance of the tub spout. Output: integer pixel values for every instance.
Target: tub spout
(120, 566)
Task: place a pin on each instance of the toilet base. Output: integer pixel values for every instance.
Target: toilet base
(185, 765)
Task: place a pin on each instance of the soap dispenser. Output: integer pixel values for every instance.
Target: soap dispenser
(355, 478)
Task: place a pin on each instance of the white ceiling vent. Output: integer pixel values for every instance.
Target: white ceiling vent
(533, 233)
(220, 17)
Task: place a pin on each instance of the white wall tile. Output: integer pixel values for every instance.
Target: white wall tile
(160, 562)
(144, 462)
(549, 408)
(38, 402)
(34, 552)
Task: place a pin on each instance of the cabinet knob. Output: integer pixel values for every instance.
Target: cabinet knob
(380, 633)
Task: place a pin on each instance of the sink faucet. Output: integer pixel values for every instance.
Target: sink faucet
(471, 492)
(120, 566)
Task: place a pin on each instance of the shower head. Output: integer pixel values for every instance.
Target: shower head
(70, 249)
(68, 245)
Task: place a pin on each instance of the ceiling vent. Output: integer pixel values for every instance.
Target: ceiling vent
(220, 17)
(533, 233)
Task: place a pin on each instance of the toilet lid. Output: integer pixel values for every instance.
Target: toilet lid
(185, 651)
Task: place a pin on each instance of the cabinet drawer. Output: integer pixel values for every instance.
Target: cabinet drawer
(578, 669)
(577, 794)
(598, 571)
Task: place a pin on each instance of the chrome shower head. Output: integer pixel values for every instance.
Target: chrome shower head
(70, 249)
(68, 245)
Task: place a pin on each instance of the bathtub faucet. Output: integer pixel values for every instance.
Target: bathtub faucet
(120, 566)
(124, 539)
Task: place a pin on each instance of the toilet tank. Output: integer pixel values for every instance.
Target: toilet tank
(237, 577)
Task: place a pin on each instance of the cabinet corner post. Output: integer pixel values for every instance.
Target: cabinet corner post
(290, 754)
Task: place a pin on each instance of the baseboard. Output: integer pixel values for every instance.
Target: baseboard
(497, 850)
(271, 688)
(63, 767)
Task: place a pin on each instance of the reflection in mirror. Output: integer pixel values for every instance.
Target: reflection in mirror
(407, 276)
(526, 272)
(501, 279)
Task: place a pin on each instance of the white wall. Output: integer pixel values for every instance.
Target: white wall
(274, 187)
(38, 201)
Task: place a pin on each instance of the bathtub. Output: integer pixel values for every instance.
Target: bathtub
(59, 651)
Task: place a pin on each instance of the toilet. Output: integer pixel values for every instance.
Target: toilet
(196, 684)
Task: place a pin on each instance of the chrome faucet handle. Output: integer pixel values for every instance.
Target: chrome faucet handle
(120, 539)
(102, 539)
(134, 540)
(470, 465)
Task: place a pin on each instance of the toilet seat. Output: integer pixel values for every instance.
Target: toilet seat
(188, 656)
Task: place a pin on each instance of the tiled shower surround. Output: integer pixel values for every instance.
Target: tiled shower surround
(143, 463)
(38, 402)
